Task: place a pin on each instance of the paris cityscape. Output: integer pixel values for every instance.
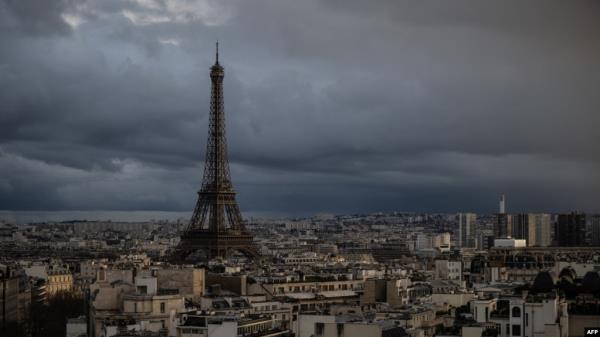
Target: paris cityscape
(192, 168)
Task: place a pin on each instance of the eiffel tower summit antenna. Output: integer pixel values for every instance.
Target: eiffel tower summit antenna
(217, 53)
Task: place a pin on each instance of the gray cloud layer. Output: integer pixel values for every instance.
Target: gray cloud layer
(332, 105)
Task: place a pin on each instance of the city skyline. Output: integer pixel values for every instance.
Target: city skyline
(424, 108)
(314, 168)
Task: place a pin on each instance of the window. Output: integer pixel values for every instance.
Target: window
(516, 312)
(516, 330)
(162, 307)
(526, 319)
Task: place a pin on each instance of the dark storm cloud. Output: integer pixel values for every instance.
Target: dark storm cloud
(34, 17)
(331, 105)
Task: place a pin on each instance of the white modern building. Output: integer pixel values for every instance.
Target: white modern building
(510, 243)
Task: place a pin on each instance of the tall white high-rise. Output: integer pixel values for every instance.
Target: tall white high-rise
(502, 204)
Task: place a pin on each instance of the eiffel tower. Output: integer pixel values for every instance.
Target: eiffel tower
(216, 228)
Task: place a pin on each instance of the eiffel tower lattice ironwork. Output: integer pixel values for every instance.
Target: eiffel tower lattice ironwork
(216, 227)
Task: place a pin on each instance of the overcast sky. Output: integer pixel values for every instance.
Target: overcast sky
(332, 106)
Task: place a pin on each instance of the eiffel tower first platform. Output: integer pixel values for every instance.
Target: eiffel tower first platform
(216, 228)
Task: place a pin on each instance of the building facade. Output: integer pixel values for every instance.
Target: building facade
(534, 228)
(467, 230)
(570, 230)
